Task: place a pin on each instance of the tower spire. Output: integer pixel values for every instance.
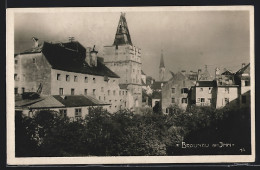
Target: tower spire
(162, 61)
(122, 34)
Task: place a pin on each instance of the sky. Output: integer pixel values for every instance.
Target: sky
(189, 39)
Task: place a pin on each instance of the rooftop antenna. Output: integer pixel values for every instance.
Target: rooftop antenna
(71, 39)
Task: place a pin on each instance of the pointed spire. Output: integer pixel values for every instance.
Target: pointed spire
(162, 61)
(122, 34)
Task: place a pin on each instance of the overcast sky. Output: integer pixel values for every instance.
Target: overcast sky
(189, 39)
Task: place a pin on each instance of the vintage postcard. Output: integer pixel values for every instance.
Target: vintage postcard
(130, 85)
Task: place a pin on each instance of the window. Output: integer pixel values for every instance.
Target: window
(94, 92)
(123, 92)
(226, 90)
(75, 78)
(94, 80)
(209, 99)
(210, 89)
(63, 112)
(184, 90)
(110, 101)
(173, 90)
(16, 61)
(78, 112)
(99, 97)
(119, 92)
(108, 92)
(114, 92)
(184, 100)
(72, 91)
(23, 89)
(173, 100)
(133, 70)
(34, 60)
(202, 100)
(166, 110)
(86, 91)
(110, 107)
(226, 100)
(114, 81)
(247, 83)
(243, 99)
(15, 77)
(58, 77)
(198, 100)
(86, 79)
(201, 89)
(104, 98)
(61, 91)
(102, 89)
(16, 90)
(67, 78)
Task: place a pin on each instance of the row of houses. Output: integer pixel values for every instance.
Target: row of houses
(226, 88)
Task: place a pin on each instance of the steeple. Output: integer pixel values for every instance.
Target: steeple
(162, 61)
(122, 34)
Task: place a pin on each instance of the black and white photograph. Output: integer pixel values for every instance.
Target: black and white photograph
(130, 85)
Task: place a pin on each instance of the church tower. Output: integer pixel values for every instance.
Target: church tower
(124, 59)
(162, 68)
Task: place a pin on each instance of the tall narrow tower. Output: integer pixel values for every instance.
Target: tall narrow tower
(162, 68)
(125, 60)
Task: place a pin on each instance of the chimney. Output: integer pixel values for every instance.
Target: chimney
(93, 57)
(183, 71)
(243, 65)
(35, 40)
(217, 72)
(87, 59)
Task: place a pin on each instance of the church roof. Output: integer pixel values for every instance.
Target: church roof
(122, 34)
(245, 69)
(162, 61)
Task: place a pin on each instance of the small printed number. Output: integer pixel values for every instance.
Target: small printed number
(242, 150)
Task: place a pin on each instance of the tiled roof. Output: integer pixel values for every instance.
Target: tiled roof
(70, 57)
(48, 102)
(77, 101)
(27, 102)
(123, 86)
(244, 69)
(157, 85)
(205, 83)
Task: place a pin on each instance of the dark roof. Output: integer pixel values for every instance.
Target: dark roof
(161, 61)
(27, 102)
(244, 69)
(157, 85)
(62, 58)
(122, 34)
(77, 101)
(227, 72)
(123, 86)
(205, 83)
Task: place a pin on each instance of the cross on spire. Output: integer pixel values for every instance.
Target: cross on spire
(122, 34)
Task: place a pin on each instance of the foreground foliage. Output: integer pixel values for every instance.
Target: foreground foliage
(123, 133)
